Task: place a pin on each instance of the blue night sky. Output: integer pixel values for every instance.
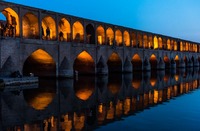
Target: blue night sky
(176, 18)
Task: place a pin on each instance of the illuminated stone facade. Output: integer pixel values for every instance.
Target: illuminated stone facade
(102, 47)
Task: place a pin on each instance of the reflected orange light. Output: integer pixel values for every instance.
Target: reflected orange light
(155, 96)
(84, 93)
(110, 111)
(79, 121)
(41, 101)
(42, 57)
(176, 77)
(136, 84)
(153, 81)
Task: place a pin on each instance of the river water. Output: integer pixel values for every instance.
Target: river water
(159, 100)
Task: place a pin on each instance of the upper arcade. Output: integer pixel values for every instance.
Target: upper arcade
(33, 23)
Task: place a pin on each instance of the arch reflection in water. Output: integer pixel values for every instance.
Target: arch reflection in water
(91, 102)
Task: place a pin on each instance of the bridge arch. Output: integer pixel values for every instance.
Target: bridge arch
(114, 63)
(168, 44)
(43, 63)
(145, 41)
(90, 34)
(160, 43)
(30, 26)
(84, 63)
(109, 36)
(126, 38)
(167, 62)
(133, 39)
(64, 30)
(177, 60)
(153, 61)
(49, 24)
(118, 37)
(155, 42)
(12, 21)
(78, 32)
(100, 32)
(136, 62)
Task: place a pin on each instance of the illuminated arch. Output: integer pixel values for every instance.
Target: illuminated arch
(133, 39)
(30, 26)
(100, 35)
(12, 18)
(136, 62)
(168, 44)
(155, 42)
(84, 64)
(64, 27)
(153, 61)
(175, 46)
(48, 21)
(114, 63)
(145, 41)
(109, 36)
(78, 32)
(43, 64)
(126, 38)
(139, 38)
(150, 41)
(160, 43)
(90, 34)
(118, 37)
(176, 59)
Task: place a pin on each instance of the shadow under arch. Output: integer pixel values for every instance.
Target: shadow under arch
(136, 62)
(114, 63)
(12, 20)
(40, 63)
(84, 64)
(177, 60)
(30, 26)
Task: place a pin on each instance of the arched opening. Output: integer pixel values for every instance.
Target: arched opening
(153, 62)
(90, 34)
(30, 26)
(175, 46)
(160, 43)
(133, 39)
(64, 30)
(84, 87)
(136, 62)
(48, 28)
(139, 42)
(109, 36)
(118, 37)
(12, 22)
(155, 42)
(167, 62)
(40, 63)
(150, 41)
(114, 63)
(176, 59)
(40, 98)
(145, 41)
(100, 35)
(126, 38)
(168, 44)
(78, 32)
(84, 64)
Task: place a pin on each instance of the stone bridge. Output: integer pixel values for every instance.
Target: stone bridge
(48, 43)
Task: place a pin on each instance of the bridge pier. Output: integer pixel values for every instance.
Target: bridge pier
(181, 64)
(128, 68)
(146, 65)
(161, 65)
(172, 64)
(196, 63)
(189, 63)
(101, 68)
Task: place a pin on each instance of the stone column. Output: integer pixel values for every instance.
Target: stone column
(196, 63)
(190, 63)
(161, 64)
(146, 65)
(181, 64)
(101, 68)
(65, 69)
(172, 64)
(127, 66)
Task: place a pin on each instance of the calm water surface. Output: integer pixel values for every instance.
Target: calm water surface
(140, 101)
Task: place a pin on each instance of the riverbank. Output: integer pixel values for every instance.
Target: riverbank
(7, 82)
